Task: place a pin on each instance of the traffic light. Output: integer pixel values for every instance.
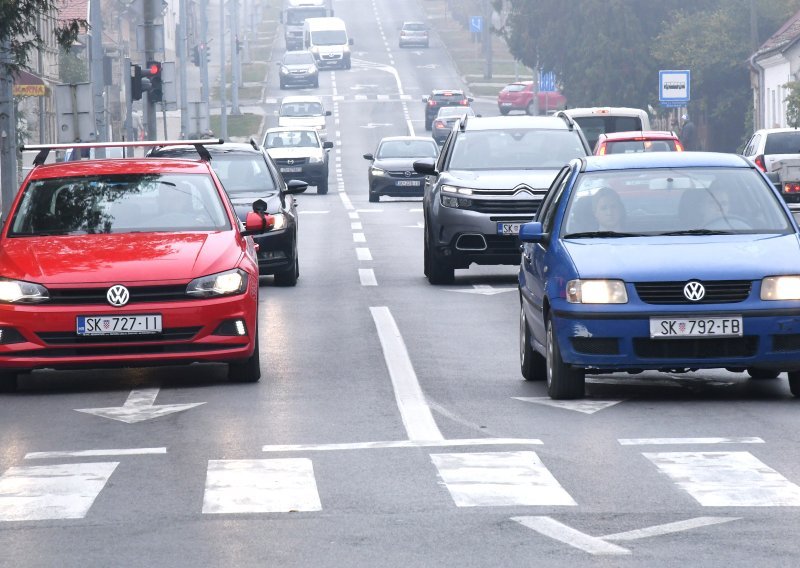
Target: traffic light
(195, 55)
(204, 52)
(154, 74)
(136, 83)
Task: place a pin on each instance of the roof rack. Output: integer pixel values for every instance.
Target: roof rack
(463, 124)
(567, 118)
(44, 149)
(254, 144)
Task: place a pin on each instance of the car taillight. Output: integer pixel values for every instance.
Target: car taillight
(464, 102)
(791, 187)
(602, 151)
(759, 160)
(678, 146)
(440, 124)
(431, 103)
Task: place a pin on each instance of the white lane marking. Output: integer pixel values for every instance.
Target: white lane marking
(403, 444)
(369, 210)
(345, 199)
(727, 479)
(481, 289)
(260, 486)
(314, 212)
(95, 453)
(411, 131)
(500, 479)
(670, 528)
(551, 528)
(414, 410)
(355, 226)
(367, 277)
(139, 407)
(363, 253)
(676, 441)
(419, 225)
(63, 491)
(359, 238)
(353, 214)
(585, 406)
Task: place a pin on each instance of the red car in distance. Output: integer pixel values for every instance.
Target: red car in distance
(128, 263)
(637, 141)
(519, 96)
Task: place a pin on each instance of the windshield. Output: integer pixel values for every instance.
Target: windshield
(637, 146)
(514, 149)
(674, 201)
(119, 204)
(304, 58)
(415, 27)
(292, 139)
(408, 149)
(782, 143)
(514, 88)
(594, 126)
(296, 16)
(243, 173)
(329, 37)
(301, 109)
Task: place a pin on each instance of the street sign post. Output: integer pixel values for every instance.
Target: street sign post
(476, 24)
(75, 113)
(674, 87)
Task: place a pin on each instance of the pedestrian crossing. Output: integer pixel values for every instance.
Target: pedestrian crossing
(374, 97)
(466, 479)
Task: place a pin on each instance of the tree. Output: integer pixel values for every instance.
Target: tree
(19, 30)
(793, 104)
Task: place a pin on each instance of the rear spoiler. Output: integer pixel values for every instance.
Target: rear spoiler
(44, 149)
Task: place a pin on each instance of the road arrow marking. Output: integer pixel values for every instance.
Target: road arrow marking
(376, 125)
(548, 526)
(429, 66)
(362, 87)
(138, 408)
(419, 225)
(584, 405)
(484, 290)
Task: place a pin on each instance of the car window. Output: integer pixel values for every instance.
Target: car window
(119, 204)
(414, 27)
(329, 37)
(298, 59)
(782, 143)
(523, 148)
(514, 88)
(243, 173)
(301, 109)
(408, 149)
(297, 16)
(454, 97)
(449, 111)
(638, 146)
(292, 139)
(594, 126)
(674, 200)
(552, 199)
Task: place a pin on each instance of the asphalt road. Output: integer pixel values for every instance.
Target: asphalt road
(391, 426)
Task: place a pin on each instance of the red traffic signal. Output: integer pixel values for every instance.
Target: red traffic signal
(153, 68)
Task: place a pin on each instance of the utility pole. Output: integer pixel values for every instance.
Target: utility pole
(8, 132)
(98, 80)
(223, 116)
(204, 55)
(487, 38)
(151, 9)
(235, 67)
(183, 62)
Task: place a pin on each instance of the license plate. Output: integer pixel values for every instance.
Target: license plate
(508, 228)
(505, 104)
(409, 182)
(696, 327)
(291, 170)
(119, 325)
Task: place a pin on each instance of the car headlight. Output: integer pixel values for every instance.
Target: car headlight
(596, 292)
(19, 292)
(222, 284)
(315, 159)
(458, 202)
(377, 171)
(312, 69)
(280, 221)
(284, 70)
(315, 50)
(780, 288)
(455, 189)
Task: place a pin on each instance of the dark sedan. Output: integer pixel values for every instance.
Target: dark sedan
(392, 169)
(248, 173)
(298, 68)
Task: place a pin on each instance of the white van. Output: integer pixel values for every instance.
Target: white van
(327, 39)
(595, 121)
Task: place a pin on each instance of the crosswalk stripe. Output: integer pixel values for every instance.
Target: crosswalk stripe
(727, 479)
(47, 492)
(260, 486)
(497, 479)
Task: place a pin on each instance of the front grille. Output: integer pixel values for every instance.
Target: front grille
(596, 345)
(522, 207)
(62, 338)
(717, 292)
(701, 348)
(112, 350)
(291, 161)
(511, 191)
(789, 342)
(402, 174)
(499, 244)
(139, 295)
(331, 56)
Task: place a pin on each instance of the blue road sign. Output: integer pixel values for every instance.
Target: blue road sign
(547, 81)
(674, 87)
(476, 24)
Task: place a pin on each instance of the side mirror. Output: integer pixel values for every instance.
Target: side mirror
(532, 233)
(470, 99)
(257, 222)
(350, 41)
(327, 113)
(327, 145)
(425, 98)
(426, 166)
(369, 157)
(294, 186)
(478, 115)
(278, 63)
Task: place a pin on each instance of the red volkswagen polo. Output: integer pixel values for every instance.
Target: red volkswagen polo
(127, 262)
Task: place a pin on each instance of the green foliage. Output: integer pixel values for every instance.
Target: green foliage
(19, 29)
(793, 104)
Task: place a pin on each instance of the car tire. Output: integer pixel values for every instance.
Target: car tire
(529, 109)
(249, 370)
(504, 111)
(794, 383)
(374, 197)
(437, 270)
(348, 64)
(762, 374)
(282, 86)
(533, 365)
(289, 276)
(316, 84)
(322, 186)
(8, 381)
(428, 123)
(563, 381)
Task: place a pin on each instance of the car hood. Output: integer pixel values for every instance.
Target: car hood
(121, 257)
(301, 121)
(503, 179)
(283, 153)
(396, 164)
(243, 202)
(300, 67)
(717, 257)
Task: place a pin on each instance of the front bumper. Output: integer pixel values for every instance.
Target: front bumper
(396, 186)
(297, 79)
(276, 250)
(312, 174)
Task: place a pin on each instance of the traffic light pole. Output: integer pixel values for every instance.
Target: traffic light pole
(8, 134)
(235, 68)
(205, 53)
(223, 116)
(151, 10)
(183, 58)
(98, 80)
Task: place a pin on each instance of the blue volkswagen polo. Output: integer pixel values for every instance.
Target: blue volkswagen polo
(668, 262)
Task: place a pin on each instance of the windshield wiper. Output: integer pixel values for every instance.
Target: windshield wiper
(696, 232)
(601, 234)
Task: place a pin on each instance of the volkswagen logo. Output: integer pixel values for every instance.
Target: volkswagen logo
(694, 291)
(409, 174)
(118, 295)
(290, 162)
